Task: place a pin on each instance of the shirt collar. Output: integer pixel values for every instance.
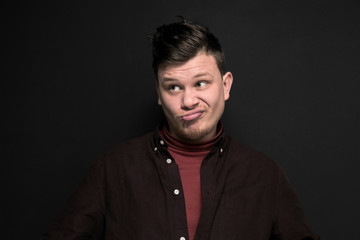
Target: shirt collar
(159, 143)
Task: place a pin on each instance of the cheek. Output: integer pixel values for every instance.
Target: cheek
(215, 98)
(169, 105)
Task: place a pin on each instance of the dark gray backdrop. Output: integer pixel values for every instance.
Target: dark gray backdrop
(78, 80)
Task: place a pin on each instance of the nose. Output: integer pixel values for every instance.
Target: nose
(189, 100)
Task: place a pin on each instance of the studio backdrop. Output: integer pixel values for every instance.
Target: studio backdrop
(78, 81)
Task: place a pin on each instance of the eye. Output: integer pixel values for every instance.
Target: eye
(174, 88)
(201, 84)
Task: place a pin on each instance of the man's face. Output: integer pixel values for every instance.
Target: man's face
(192, 96)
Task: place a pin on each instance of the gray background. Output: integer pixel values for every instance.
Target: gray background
(78, 81)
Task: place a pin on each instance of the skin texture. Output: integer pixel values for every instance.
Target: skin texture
(192, 96)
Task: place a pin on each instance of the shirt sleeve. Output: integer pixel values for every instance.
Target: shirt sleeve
(83, 215)
(290, 222)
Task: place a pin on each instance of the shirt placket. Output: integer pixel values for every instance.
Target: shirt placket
(209, 191)
(174, 193)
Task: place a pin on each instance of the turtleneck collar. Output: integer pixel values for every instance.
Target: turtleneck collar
(178, 144)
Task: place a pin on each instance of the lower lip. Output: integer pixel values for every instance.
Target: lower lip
(192, 116)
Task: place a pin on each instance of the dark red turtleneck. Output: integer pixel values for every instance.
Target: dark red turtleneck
(188, 157)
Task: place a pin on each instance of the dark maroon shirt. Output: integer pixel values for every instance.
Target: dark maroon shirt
(132, 192)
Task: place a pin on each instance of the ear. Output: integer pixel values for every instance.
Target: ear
(227, 82)
(158, 91)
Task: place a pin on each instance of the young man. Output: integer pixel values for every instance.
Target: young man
(187, 179)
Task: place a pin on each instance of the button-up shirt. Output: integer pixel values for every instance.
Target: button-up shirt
(134, 192)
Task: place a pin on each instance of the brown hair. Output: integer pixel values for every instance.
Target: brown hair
(179, 42)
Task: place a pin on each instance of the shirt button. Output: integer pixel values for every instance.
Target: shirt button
(168, 160)
(221, 150)
(162, 142)
(182, 238)
(176, 191)
(155, 149)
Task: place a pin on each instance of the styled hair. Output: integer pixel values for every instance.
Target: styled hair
(178, 42)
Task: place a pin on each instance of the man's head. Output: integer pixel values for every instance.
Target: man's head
(191, 81)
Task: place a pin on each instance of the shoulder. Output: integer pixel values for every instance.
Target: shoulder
(130, 151)
(139, 143)
(245, 156)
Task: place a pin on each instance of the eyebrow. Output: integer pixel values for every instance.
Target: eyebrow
(202, 74)
(165, 79)
(168, 80)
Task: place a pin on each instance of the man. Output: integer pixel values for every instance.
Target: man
(187, 179)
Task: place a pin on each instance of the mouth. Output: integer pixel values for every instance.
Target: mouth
(192, 116)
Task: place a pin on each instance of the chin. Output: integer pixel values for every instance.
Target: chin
(193, 135)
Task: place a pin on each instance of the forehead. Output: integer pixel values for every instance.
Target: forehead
(200, 65)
